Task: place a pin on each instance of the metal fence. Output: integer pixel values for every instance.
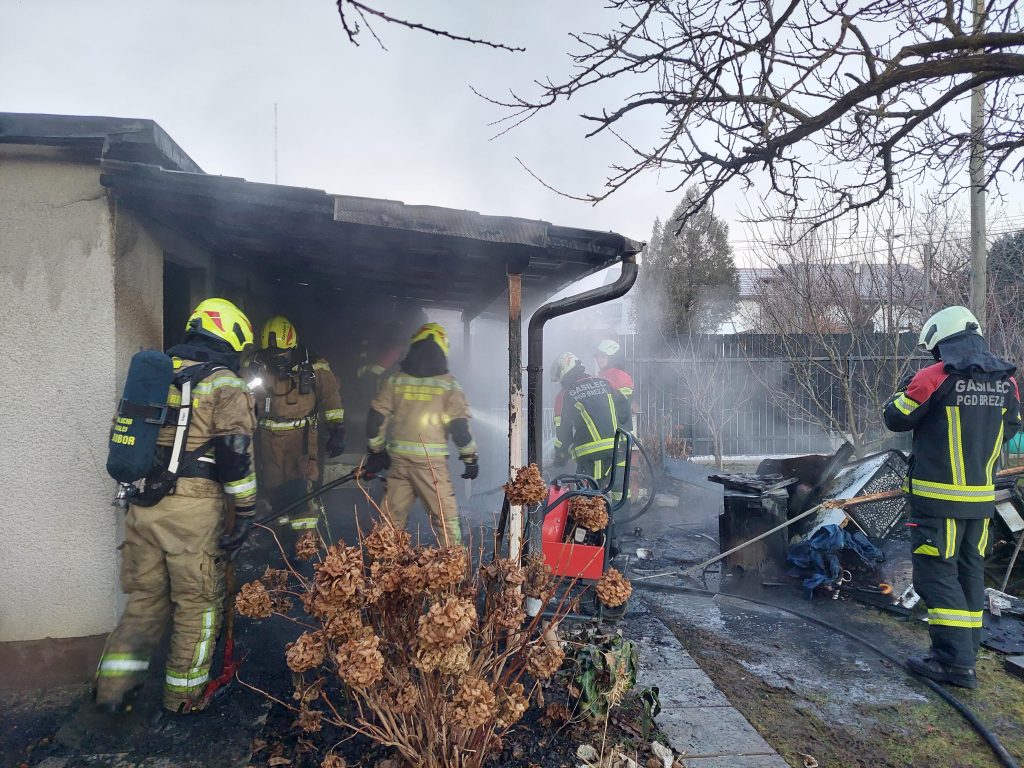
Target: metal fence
(748, 384)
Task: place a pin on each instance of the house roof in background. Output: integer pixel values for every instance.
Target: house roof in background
(873, 281)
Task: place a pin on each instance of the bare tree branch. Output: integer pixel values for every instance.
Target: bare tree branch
(363, 10)
(834, 106)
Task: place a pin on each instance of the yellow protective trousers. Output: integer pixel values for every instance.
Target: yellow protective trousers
(429, 481)
(287, 465)
(171, 569)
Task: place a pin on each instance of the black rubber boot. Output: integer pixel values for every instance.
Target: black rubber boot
(927, 666)
(122, 707)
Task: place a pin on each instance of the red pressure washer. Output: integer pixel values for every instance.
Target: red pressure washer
(573, 552)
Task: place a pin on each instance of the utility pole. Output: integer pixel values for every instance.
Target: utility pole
(977, 170)
(275, 142)
(888, 306)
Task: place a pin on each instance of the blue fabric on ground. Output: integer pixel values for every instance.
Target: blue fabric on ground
(816, 559)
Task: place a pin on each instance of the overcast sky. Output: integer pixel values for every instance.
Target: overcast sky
(400, 124)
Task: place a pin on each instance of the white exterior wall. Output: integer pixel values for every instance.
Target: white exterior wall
(73, 314)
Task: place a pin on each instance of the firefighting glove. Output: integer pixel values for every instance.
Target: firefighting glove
(233, 539)
(472, 467)
(336, 441)
(375, 463)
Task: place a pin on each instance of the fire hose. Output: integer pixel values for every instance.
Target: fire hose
(1004, 757)
(276, 513)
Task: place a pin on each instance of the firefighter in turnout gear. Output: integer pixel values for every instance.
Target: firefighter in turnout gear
(172, 559)
(961, 410)
(298, 393)
(610, 362)
(415, 412)
(588, 411)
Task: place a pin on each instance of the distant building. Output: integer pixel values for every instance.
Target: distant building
(886, 298)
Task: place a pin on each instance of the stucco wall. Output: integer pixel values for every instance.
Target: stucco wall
(57, 528)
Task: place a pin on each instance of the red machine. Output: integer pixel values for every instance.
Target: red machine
(570, 553)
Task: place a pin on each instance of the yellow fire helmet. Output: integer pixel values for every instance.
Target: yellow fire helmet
(279, 333)
(220, 319)
(433, 331)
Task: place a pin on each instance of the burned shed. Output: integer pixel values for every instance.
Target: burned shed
(111, 233)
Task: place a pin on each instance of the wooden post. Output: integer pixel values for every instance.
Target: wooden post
(467, 365)
(515, 404)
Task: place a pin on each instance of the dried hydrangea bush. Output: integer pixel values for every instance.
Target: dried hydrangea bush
(613, 589)
(434, 658)
(590, 512)
(528, 487)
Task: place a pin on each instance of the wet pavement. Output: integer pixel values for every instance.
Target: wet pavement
(696, 718)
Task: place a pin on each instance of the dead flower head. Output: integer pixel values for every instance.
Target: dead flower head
(614, 589)
(447, 659)
(275, 578)
(387, 542)
(447, 622)
(504, 572)
(338, 582)
(341, 625)
(334, 761)
(253, 601)
(443, 568)
(341, 562)
(539, 580)
(360, 662)
(512, 705)
(309, 720)
(590, 512)
(544, 659)
(306, 652)
(506, 610)
(412, 579)
(307, 545)
(473, 705)
(527, 488)
(385, 579)
(402, 700)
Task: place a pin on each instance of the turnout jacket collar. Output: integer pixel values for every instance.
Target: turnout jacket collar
(201, 350)
(966, 355)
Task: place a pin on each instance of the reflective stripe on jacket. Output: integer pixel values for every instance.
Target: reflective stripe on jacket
(417, 411)
(587, 414)
(960, 424)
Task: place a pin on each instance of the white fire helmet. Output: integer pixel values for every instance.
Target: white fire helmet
(608, 348)
(562, 365)
(946, 323)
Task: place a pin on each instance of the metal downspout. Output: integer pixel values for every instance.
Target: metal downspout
(535, 366)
